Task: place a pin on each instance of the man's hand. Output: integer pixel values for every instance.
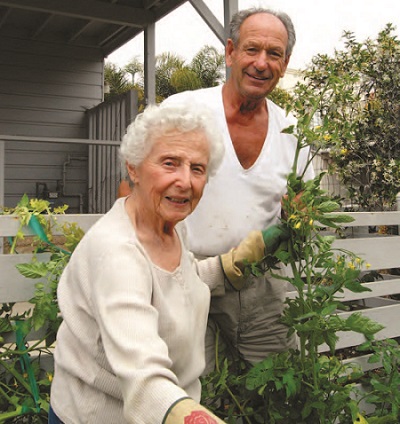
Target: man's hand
(253, 248)
(273, 236)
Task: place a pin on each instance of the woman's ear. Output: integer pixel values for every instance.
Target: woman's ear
(132, 173)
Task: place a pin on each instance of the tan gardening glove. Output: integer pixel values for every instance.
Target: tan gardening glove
(253, 248)
(189, 411)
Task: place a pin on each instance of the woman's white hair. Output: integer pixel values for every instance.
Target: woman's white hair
(158, 120)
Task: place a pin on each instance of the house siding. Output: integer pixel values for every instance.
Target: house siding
(45, 90)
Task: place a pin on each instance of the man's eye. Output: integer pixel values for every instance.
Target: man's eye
(168, 163)
(276, 54)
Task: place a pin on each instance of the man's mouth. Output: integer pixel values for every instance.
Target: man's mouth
(258, 78)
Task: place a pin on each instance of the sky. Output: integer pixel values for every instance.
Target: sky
(319, 26)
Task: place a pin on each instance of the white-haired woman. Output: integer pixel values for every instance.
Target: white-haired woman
(134, 301)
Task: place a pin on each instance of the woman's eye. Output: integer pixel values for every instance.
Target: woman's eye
(199, 170)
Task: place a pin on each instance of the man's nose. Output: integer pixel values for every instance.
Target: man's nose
(261, 62)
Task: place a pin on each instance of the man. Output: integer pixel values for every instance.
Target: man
(246, 192)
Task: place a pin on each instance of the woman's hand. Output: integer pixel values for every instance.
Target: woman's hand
(187, 411)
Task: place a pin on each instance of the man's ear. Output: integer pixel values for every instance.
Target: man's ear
(229, 48)
(285, 66)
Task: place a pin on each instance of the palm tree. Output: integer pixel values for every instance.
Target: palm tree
(116, 79)
(185, 79)
(172, 74)
(208, 64)
(166, 64)
(136, 69)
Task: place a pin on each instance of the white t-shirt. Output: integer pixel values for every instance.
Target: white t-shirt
(237, 200)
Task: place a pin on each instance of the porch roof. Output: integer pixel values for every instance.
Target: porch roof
(104, 24)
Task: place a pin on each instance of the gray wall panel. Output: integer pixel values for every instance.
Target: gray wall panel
(16, 100)
(45, 90)
(38, 130)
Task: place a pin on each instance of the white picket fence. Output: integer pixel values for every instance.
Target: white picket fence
(380, 251)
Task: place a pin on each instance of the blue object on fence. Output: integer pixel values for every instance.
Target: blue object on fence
(37, 228)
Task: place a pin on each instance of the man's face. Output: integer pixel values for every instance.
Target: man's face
(259, 60)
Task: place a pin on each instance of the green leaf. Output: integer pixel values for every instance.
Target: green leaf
(341, 218)
(290, 382)
(24, 202)
(375, 358)
(361, 324)
(329, 309)
(356, 287)
(33, 270)
(330, 338)
(328, 206)
(258, 375)
(289, 130)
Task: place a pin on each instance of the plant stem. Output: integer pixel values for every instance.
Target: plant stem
(17, 376)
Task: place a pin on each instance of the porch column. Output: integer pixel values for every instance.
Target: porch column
(2, 163)
(150, 64)
(222, 32)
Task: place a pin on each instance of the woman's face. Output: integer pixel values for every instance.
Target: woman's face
(170, 181)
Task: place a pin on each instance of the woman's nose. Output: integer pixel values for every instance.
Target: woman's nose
(184, 176)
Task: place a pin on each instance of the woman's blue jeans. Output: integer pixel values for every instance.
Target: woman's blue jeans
(53, 419)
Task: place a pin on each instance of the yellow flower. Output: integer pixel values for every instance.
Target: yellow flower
(49, 376)
(360, 420)
(351, 265)
(327, 137)
(367, 265)
(311, 221)
(343, 151)
(297, 225)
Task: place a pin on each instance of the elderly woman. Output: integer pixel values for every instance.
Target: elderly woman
(134, 301)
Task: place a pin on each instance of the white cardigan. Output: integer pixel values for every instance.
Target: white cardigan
(132, 338)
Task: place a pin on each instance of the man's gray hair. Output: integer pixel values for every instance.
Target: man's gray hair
(239, 17)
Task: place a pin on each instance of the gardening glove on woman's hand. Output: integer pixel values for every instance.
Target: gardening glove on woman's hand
(253, 248)
(189, 411)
